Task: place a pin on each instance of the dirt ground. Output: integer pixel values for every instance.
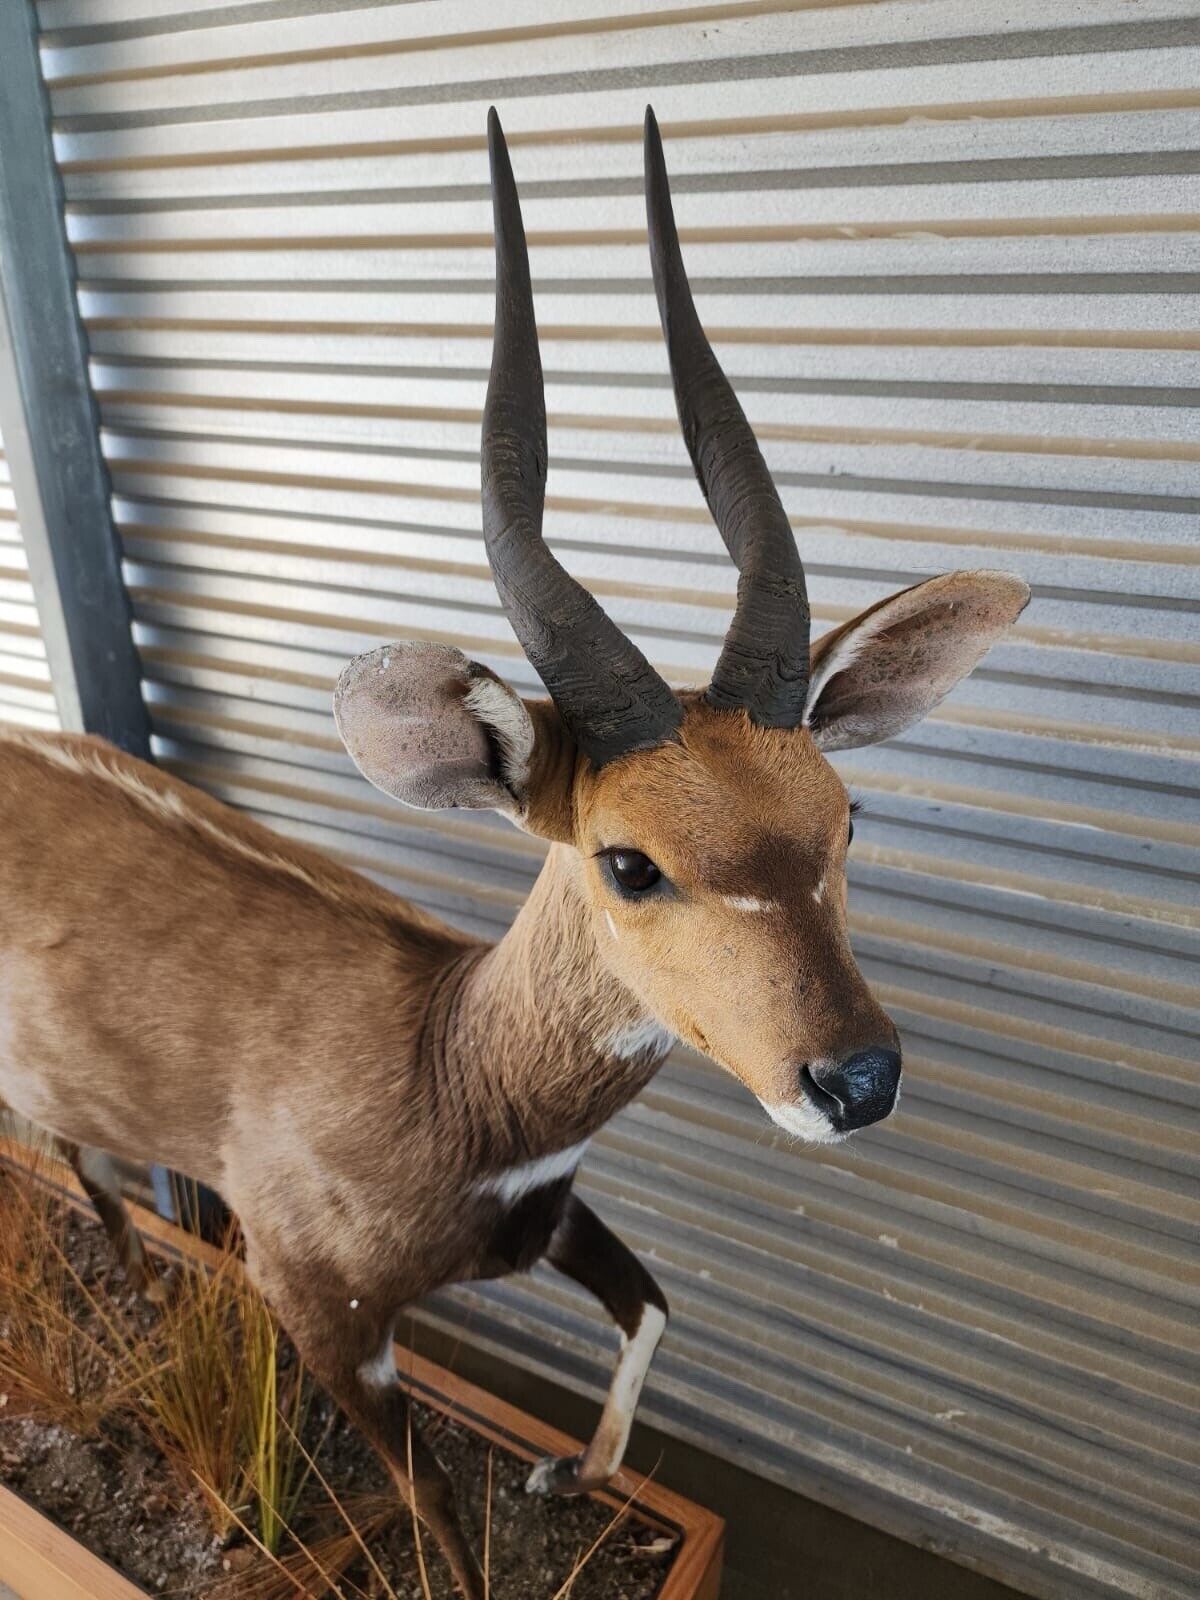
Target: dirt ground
(118, 1496)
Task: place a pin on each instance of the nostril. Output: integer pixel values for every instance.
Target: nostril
(863, 1086)
(821, 1097)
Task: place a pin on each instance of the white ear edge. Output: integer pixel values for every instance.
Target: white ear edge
(847, 650)
(843, 654)
(495, 704)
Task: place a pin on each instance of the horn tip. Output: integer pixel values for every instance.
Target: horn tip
(496, 139)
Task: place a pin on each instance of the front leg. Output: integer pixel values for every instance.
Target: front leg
(347, 1346)
(585, 1250)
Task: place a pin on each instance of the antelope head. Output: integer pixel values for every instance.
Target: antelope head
(710, 832)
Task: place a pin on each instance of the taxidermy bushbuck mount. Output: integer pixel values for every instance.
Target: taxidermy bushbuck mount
(388, 1105)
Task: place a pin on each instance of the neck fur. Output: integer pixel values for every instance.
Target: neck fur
(541, 1042)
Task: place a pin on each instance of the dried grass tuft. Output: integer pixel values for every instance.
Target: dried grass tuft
(52, 1368)
(204, 1378)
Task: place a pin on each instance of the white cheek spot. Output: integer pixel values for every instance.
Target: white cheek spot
(819, 892)
(380, 1371)
(354, 1305)
(514, 1182)
(612, 927)
(747, 902)
(637, 1039)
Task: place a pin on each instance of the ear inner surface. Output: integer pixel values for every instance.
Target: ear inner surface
(420, 724)
(886, 669)
(504, 716)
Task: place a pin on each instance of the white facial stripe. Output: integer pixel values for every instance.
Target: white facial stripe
(747, 902)
(514, 1182)
(637, 1039)
(612, 927)
(803, 1120)
(819, 892)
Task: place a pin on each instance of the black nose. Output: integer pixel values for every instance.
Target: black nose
(857, 1091)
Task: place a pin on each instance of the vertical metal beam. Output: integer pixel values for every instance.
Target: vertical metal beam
(49, 419)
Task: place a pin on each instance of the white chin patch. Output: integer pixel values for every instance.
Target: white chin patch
(804, 1121)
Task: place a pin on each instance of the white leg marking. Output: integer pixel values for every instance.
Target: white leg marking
(607, 1449)
(632, 1366)
(379, 1372)
(514, 1182)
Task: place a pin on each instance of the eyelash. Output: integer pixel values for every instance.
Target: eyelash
(856, 810)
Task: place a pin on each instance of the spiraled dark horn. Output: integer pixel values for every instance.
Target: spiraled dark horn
(763, 665)
(609, 695)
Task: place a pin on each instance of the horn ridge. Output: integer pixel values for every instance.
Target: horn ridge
(763, 666)
(610, 697)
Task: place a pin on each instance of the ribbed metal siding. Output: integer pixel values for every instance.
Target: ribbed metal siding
(26, 696)
(948, 254)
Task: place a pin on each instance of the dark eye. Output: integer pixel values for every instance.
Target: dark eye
(633, 871)
(850, 833)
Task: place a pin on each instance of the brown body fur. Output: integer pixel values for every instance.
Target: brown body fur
(178, 984)
(276, 1026)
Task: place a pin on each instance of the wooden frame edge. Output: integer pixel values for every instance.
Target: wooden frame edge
(42, 1561)
(695, 1573)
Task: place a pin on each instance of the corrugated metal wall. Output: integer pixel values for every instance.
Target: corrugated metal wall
(25, 693)
(948, 251)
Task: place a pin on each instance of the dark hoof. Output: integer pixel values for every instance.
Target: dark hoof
(147, 1282)
(558, 1475)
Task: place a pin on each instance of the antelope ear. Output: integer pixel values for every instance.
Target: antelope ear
(878, 674)
(434, 730)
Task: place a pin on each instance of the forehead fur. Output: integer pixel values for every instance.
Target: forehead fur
(700, 805)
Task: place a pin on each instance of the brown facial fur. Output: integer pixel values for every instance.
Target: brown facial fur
(746, 955)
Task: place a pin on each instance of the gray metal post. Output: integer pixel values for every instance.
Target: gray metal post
(51, 429)
(49, 419)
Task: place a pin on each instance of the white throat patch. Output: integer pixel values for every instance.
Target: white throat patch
(647, 1037)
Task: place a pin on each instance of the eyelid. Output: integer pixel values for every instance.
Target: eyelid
(663, 889)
